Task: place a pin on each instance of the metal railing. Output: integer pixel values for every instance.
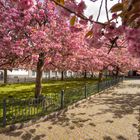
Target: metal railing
(19, 110)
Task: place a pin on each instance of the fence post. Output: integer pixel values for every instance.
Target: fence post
(62, 99)
(98, 86)
(4, 112)
(85, 91)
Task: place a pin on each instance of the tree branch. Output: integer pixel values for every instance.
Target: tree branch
(106, 10)
(99, 11)
(112, 43)
(78, 15)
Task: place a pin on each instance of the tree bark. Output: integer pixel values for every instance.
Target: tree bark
(117, 72)
(91, 75)
(40, 65)
(85, 74)
(62, 75)
(5, 76)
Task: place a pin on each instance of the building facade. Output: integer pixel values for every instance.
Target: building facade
(22, 75)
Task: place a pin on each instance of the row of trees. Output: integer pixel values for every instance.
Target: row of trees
(38, 35)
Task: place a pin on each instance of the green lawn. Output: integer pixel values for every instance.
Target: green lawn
(26, 90)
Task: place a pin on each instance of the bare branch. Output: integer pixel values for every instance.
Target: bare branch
(106, 10)
(113, 42)
(99, 11)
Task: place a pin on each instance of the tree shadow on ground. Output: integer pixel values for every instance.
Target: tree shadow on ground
(14, 134)
(117, 138)
(107, 138)
(25, 135)
(134, 85)
(121, 138)
(72, 120)
(120, 104)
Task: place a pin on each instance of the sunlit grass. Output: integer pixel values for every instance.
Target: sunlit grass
(26, 90)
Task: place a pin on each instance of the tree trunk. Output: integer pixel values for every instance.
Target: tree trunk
(71, 74)
(117, 72)
(91, 74)
(85, 74)
(5, 76)
(62, 75)
(100, 76)
(40, 65)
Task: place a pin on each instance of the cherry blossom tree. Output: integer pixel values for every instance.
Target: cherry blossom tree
(33, 33)
(24, 38)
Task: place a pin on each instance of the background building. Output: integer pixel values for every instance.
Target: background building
(22, 75)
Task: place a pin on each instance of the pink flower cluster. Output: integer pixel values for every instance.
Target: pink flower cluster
(132, 37)
(25, 4)
(81, 7)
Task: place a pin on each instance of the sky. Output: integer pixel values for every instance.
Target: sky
(93, 8)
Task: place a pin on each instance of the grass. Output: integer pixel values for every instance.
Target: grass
(26, 90)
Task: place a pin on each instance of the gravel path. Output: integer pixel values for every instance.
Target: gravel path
(112, 115)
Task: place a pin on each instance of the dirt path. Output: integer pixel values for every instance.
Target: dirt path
(113, 115)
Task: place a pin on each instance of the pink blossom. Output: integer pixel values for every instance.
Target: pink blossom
(25, 4)
(81, 6)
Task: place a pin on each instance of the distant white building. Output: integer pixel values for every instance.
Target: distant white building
(22, 75)
(15, 73)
